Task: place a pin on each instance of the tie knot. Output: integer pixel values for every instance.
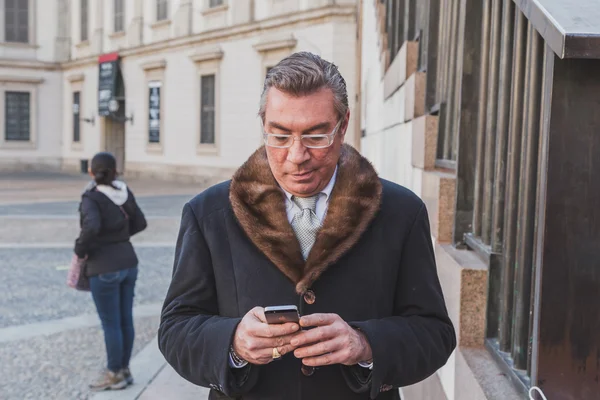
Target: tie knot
(304, 203)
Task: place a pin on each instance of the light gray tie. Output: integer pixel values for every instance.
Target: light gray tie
(305, 223)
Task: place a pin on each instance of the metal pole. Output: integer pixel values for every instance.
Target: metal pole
(483, 75)
(490, 127)
(512, 181)
(527, 198)
(451, 83)
(444, 47)
(504, 85)
(458, 84)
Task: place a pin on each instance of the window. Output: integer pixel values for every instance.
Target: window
(207, 100)
(76, 115)
(391, 23)
(394, 26)
(504, 183)
(154, 112)
(215, 3)
(17, 114)
(119, 16)
(162, 10)
(154, 72)
(207, 109)
(16, 21)
(83, 21)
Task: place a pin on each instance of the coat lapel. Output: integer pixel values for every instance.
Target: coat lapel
(259, 206)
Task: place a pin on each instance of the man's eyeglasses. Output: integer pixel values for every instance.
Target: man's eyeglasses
(311, 141)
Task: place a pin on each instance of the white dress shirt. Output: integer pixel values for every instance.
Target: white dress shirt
(322, 202)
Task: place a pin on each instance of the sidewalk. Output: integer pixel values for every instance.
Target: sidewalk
(169, 385)
(154, 380)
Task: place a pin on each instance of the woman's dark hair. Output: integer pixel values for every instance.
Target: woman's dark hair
(104, 168)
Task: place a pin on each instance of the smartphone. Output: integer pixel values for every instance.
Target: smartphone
(282, 314)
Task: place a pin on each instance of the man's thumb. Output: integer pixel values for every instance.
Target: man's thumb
(259, 313)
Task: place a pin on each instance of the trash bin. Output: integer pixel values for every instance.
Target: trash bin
(84, 166)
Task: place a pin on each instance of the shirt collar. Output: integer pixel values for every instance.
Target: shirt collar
(326, 190)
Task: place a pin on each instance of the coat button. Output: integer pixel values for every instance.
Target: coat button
(307, 371)
(309, 297)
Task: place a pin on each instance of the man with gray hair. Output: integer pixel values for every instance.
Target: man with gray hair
(305, 222)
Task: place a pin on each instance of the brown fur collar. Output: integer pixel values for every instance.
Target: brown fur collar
(259, 206)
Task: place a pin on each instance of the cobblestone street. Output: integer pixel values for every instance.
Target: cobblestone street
(51, 344)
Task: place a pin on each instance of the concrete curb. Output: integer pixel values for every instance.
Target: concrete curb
(45, 328)
(145, 367)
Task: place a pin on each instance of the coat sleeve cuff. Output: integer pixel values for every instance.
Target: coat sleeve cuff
(357, 378)
(377, 374)
(79, 250)
(239, 379)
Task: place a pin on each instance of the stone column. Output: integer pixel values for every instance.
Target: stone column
(182, 18)
(135, 32)
(242, 12)
(98, 35)
(63, 33)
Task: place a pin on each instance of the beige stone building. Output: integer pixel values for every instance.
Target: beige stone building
(401, 127)
(31, 83)
(488, 110)
(169, 86)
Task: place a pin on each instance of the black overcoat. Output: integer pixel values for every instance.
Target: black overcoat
(105, 232)
(372, 263)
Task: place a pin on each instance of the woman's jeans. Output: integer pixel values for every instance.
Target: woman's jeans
(113, 295)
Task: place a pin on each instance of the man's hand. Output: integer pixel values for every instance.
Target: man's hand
(255, 339)
(332, 341)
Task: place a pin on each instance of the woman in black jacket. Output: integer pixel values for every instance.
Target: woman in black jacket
(109, 216)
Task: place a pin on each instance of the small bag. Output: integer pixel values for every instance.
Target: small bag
(76, 277)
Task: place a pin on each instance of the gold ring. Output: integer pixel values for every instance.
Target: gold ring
(276, 354)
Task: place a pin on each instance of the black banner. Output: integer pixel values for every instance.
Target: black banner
(154, 112)
(107, 80)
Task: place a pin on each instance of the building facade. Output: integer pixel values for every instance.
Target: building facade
(488, 110)
(171, 87)
(31, 84)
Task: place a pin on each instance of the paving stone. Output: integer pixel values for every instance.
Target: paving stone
(60, 366)
(34, 290)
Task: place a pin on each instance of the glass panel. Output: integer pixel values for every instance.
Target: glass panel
(207, 109)
(118, 15)
(215, 3)
(432, 54)
(17, 125)
(9, 20)
(16, 21)
(399, 25)
(161, 10)
(389, 14)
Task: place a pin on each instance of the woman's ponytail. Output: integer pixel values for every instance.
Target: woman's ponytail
(104, 169)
